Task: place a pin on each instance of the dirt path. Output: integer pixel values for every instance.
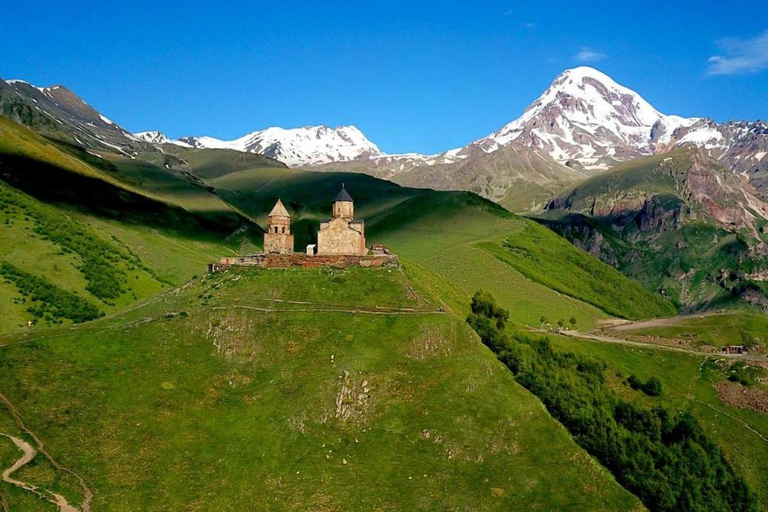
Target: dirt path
(658, 322)
(620, 341)
(58, 500)
(358, 311)
(29, 453)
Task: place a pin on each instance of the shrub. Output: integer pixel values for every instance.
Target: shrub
(661, 455)
(49, 302)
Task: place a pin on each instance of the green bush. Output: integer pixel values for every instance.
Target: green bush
(661, 455)
(48, 301)
(651, 387)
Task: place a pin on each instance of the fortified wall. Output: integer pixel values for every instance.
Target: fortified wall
(305, 260)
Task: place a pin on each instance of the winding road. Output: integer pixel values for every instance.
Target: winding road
(29, 453)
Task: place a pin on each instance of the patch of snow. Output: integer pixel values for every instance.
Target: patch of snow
(707, 137)
(153, 137)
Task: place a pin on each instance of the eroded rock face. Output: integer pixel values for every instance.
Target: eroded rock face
(654, 217)
(683, 224)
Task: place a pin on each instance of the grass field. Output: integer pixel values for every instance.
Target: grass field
(305, 389)
(713, 330)
(43, 241)
(291, 406)
(458, 236)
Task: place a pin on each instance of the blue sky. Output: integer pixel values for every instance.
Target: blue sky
(413, 76)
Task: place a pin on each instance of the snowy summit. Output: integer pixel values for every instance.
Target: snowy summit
(310, 145)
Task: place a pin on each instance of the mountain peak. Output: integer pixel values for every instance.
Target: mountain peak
(153, 136)
(308, 145)
(585, 116)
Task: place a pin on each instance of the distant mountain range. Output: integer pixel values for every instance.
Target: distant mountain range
(583, 124)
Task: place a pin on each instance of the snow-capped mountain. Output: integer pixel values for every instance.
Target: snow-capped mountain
(306, 146)
(153, 137)
(585, 116)
(740, 146)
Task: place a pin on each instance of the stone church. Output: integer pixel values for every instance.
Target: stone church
(342, 235)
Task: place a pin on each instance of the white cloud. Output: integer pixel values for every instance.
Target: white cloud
(740, 56)
(589, 55)
(529, 25)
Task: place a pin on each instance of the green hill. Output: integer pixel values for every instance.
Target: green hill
(289, 390)
(458, 235)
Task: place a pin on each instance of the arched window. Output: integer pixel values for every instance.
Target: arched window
(283, 229)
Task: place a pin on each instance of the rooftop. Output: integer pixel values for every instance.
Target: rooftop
(343, 195)
(279, 210)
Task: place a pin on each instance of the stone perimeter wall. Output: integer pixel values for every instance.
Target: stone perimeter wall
(304, 260)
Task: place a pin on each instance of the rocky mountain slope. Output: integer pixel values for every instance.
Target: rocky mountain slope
(60, 113)
(680, 222)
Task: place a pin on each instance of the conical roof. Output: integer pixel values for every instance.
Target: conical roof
(343, 195)
(279, 210)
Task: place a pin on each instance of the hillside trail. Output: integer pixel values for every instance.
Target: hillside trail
(29, 453)
(639, 344)
(688, 395)
(628, 325)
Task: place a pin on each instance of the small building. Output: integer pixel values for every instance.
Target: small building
(734, 349)
(342, 234)
(379, 249)
(278, 238)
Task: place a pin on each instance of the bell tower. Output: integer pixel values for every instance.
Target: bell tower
(343, 205)
(278, 238)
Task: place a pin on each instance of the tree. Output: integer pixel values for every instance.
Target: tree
(544, 320)
(572, 321)
(561, 323)
(652, 387)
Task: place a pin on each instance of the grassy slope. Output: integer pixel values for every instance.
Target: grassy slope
(551, 260)
(688, 384)
(112, 187)
(293, 409)
(461, 238)
(43, 254)
(131, 206)
(438, 231)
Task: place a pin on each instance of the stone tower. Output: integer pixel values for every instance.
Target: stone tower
(343, 205)
(278, 238)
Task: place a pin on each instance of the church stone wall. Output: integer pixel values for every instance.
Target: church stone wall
(338, 236)
(303, 260)
(344, 210)
(278, 243)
